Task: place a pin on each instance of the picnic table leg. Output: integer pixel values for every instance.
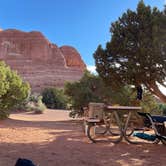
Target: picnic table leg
(128, 137)
(127, 121)
(119, 127)
(125, 129)
(118, 120)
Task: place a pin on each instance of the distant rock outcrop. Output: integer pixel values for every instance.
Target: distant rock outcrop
(72, 57)
(38, 61)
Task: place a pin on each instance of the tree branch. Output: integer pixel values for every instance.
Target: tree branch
(163, 84)
(153, 88)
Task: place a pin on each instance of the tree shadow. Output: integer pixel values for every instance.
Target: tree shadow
(67, 145)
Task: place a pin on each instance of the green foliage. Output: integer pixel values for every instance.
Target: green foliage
(35, 104)
(13, 91)
(35, 97)
(54, 98)
(162, 108)
(148, 103)
(127, 96)
(136, 53)
(91, 88)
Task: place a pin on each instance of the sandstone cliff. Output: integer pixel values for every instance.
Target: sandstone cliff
(38, 61)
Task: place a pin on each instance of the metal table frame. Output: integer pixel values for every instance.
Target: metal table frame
(129, 109)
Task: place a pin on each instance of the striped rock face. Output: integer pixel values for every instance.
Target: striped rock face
(38, 61)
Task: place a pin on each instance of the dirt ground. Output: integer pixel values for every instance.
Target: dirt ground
(53, 139)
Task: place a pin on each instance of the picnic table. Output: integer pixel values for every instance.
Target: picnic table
(128, 113)
(104, 123)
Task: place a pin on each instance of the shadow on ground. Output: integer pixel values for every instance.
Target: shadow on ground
(63, 143)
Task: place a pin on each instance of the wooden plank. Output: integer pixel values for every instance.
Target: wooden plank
(122, 108)
(93, 120)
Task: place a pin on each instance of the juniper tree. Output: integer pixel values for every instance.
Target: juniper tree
(136, 52)
(13, 90)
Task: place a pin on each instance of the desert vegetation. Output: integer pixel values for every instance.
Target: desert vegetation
(54, 98)
(16, 94)
(91, 88)
(13, 91)
(34, 103)
(136, 52)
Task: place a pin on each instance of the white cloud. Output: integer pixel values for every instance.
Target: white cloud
(92, 69)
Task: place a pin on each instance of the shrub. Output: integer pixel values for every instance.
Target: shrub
(35, 97)
(40, 106)
(54, 98)
(162, 108)
(13, 91)
(35, 104)
(89, 89)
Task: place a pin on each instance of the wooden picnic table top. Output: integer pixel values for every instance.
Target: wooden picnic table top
(110, 107)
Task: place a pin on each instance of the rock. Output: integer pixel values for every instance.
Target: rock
(73, 58)
(38, 61)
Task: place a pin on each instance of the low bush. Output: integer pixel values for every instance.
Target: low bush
(35, 104)
(54, 98)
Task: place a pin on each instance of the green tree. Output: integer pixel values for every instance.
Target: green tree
(13, 90)
(136, 53)
(91, 88)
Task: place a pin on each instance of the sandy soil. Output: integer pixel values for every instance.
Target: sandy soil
(53, 139)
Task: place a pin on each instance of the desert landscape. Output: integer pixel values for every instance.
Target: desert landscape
(98, 59)
(54, 139)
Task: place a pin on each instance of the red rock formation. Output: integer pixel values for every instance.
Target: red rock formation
(38, 61)
(73, 58)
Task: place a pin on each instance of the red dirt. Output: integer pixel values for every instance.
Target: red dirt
(53, 139)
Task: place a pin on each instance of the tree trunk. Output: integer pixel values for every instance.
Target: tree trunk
(153, 88)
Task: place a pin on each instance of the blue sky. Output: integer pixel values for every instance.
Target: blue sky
(83, 24)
